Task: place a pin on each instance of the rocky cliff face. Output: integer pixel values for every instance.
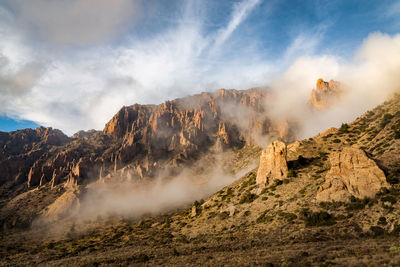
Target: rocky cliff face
(326, 94)
(22, 151)
(140, 140)
(352, 173)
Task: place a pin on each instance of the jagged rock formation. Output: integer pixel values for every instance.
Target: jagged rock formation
(273, 164)
(139, 140)
(21, 153)
(352, 173)
(326, 94)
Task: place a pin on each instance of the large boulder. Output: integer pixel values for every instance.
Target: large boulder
(352, 173)
(273, 164)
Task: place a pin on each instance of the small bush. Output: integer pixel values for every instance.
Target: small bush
(344, 128)
(175, 252)
(396, 230)
(382, 220)
(228, 194)
(250, 181)
(143, 258)
(377, 230)
(246, 213)
(287, 215)
(303, 191)
(356, 203)
(319, 218)
(265, 190)
(223, 215)
(291, 173)
(248, 198)
(331, 205)
(386, 119)
(264, 217)
(277, 182)
(389, 199)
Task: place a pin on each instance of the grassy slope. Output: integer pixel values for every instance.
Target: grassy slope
(283, 225)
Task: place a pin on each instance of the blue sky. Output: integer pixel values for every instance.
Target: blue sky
(72, 65)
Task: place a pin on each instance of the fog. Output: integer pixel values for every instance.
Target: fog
(153, 196)
(118, 196)
(370, 77)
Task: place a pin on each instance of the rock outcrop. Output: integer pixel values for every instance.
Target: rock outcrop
(352, 173)
(273, 164)
(326, 94)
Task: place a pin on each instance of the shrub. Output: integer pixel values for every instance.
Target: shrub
(264, 217)
(224, 215)
(175, 252)
(323, 155)
(287, 215)
(228, 194)
(319, 218)
(382, 220)
(386, 119)
(143, 258)
(277, 182)
(356, 203)
(396, 230)
(303, 191)
(377, 230)
(248, 198)
(389, 199)
(250, 181)
(331, 205)
(344, 128)
(291, 173)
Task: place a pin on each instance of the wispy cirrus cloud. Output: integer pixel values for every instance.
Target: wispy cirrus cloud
(240, 12)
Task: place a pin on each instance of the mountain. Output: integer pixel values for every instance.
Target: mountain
(139, 142)
(332, 199)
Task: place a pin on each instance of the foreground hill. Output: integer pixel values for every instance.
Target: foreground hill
(287, 218)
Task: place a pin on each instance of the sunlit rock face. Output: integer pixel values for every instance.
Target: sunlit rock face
(326, 94)
(352, 173)
(273, 164)
(142, 139)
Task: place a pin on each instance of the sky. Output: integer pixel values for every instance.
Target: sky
(72, 64)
